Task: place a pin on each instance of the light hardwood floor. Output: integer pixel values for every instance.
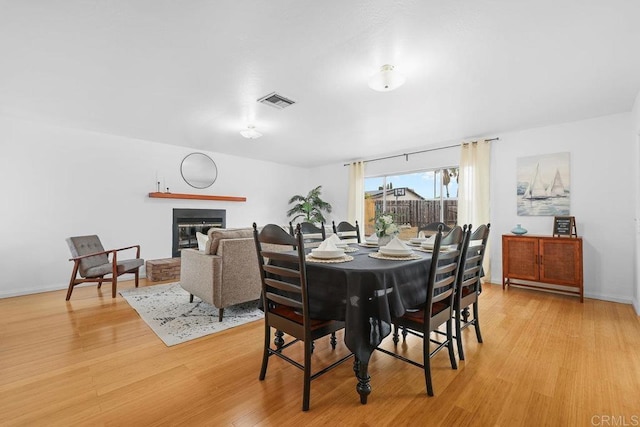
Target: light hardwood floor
(546, 360)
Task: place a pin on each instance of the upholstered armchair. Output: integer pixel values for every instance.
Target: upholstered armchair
(91, 260)
(226, 272)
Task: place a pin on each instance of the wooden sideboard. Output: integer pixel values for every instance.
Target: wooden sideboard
(555, 263)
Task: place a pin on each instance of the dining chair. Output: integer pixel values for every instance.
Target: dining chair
(431, 228)
(454, 237)
(437, 310)
(285, 302)
(469, 284)
(312, 234)
(346, 231)
(91, 261)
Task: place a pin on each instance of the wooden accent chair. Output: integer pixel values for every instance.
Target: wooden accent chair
(432, 228)
(435, 311)
(286, 303)
(312, 234)
(91, 260)
(469, 285)
(346, 231)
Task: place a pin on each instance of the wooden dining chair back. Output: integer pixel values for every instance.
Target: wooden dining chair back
(91, 262)
(436, 310)
(469, 284)
(454, 237)
(312, 234)
(285, 301)
(347, 231)
(431, 228)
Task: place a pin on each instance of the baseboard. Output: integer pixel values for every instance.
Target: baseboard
(601, 297)
(51, 288)
(636, 306)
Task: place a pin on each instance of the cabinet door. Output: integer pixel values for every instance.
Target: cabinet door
(520, 257)
(561, 261)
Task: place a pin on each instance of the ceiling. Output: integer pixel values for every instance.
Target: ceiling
(189, 73)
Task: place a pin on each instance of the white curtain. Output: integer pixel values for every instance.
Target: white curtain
(355, 207)
(473, 189)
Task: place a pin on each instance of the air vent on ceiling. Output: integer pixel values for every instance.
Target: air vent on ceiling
(275, 100)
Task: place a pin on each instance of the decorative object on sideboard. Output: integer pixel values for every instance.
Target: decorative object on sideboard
(564, 226)
(198, 170)
(518, 229)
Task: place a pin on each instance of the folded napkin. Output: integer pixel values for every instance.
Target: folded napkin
(397, 244)
(372, 239)
(327, 245)
(431, 239)
(335, 239)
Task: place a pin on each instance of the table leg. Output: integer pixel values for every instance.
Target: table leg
(278, 340)
(364, 387)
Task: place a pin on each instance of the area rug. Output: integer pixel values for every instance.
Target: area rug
(168, 312)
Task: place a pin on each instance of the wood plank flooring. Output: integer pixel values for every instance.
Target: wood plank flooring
(546, 360)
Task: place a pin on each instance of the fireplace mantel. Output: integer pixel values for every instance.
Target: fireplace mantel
(197, 197)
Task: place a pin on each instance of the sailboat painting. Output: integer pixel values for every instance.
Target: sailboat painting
(544, 185)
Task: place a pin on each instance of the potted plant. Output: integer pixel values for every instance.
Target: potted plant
(386, 228)
(309, 207)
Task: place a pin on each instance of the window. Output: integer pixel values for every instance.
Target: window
(413, 199)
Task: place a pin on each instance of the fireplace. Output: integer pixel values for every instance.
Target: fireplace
(186, 222)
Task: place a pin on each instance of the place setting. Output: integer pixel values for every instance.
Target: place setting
(420, 240)
(395, 250)
(427, 246)
(331, 250)
(370, 242)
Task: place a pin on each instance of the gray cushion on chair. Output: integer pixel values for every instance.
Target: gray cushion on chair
(127, 265)
(83, 245)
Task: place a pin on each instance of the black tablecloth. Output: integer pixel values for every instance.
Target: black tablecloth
(366, 293)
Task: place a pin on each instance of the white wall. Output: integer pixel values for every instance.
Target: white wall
(62, 182)
(59, 182)
(602, 200)
(602, 165)
(635, 118)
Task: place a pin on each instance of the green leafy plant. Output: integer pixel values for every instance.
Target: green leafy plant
(310, 207)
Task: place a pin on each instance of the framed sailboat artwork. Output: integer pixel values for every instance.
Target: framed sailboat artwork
(544, 185)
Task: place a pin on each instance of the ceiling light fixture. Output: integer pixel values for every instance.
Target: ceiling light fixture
(387, 79)
(250, 133)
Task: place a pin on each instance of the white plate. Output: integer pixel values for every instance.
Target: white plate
(427, 246)
(370, 244)
(341, 245)
(418, 240)
(327, 254)
(442, 249)
(395, 252)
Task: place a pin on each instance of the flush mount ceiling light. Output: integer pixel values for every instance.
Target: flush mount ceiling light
(387, 79)
(250, 133)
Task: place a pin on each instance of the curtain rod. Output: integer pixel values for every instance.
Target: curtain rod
(406, 155)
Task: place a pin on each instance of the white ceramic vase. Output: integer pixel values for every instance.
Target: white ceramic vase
(384, 240)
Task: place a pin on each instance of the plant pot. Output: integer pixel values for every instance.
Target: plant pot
(384, 241)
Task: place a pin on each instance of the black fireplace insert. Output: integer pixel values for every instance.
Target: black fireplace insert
(186, 222)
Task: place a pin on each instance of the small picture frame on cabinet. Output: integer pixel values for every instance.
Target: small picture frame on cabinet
(564, 226)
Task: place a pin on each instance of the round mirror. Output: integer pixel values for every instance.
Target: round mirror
(198, 170)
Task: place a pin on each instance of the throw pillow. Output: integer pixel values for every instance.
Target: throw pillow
(202, 241)
(217, 234)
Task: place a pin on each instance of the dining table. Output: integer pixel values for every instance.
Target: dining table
(366, 290)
